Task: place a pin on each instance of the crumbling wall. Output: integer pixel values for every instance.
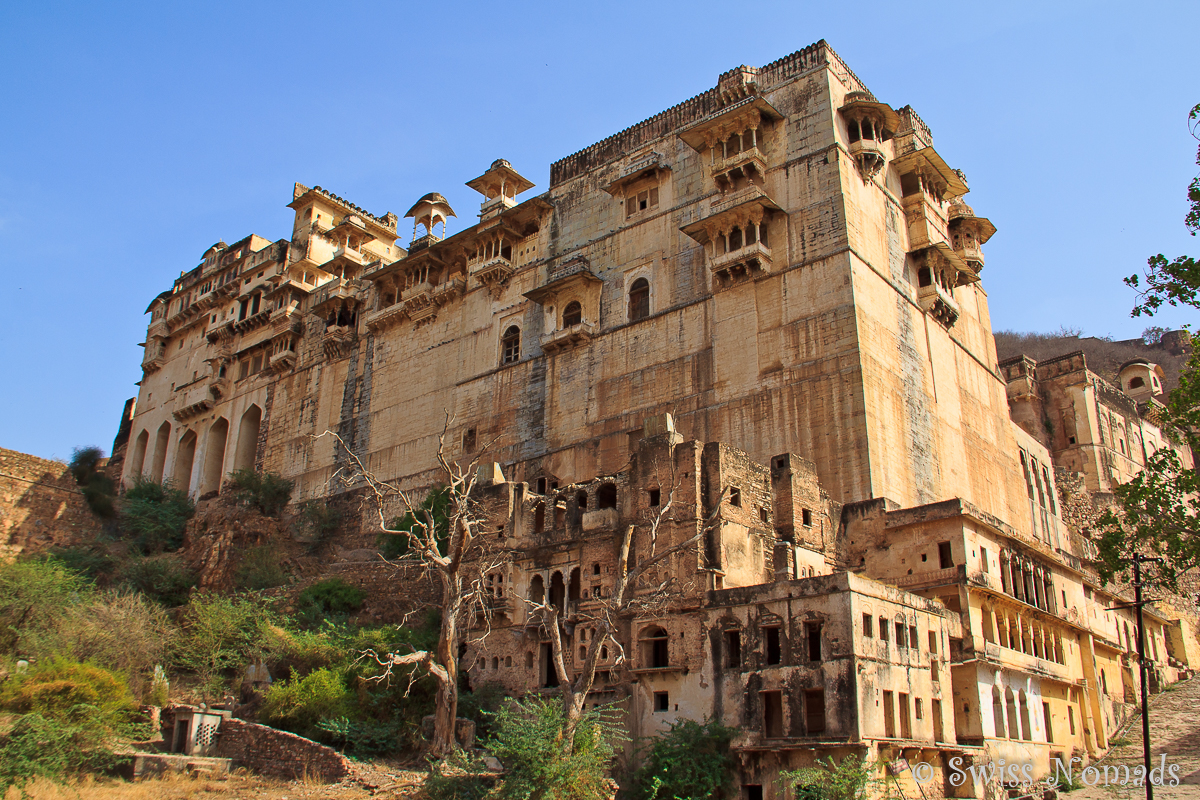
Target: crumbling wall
(40, 506)
(280, 754)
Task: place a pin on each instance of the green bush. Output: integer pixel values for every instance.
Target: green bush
(690, 759)
(37, 747)
(260, 569)
(434, 509)
(93, 563)
(461, 776)
(265, 491)
(361, 739)
(528, 742)
(299, 703)
(481, 705)
(852, 779)
(34, 597)
(316, 521)
(64, 690)
(98, 489)
(164, 578)
(219, 635)
(330, 598)
(155, 515)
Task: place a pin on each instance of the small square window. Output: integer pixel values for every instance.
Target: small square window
(735, 496)
(868, 626)
(662, 701)
(806, 517)
(655, 497)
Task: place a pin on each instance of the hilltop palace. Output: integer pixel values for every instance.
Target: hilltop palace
(765, 301)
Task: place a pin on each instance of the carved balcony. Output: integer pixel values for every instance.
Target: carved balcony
(938, 303)
(285, 321)
(418, 301)
(386, 317)
(494, 270)
(567, 338)
(283, 361)
(868, 155)
(250, 323)
(337, 340)
(735, 265)
(926, 221)
(748, 162)
(156, 355)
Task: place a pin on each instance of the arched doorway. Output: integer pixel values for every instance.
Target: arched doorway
(185, 454)
(247, 440)
(214, 459)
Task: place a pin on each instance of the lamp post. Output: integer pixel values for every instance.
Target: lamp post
(1139, 559)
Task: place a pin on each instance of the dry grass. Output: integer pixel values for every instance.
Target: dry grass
(238, 786)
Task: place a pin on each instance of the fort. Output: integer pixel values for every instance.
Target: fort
(764, 305)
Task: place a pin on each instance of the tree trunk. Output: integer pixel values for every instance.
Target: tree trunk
(446, 709)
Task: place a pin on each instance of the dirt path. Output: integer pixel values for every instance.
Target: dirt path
(1175, 731)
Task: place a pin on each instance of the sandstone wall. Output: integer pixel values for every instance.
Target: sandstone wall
(280, 754)
(40, 506)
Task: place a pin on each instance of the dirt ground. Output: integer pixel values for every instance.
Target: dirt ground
(378, 781)
(1175, 731)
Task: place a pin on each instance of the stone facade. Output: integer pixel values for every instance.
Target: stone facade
(41, 506)
(764, 304)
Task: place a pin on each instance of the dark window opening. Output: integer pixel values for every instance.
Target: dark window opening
(573, 587)
(912, 637)
(549, 670)
(868, 626)
(572, 314)
(945, 555)
(813, 629)
(772, 714)
(806, 517)
(606, 497)
(541, 485)
(1136, 383)
(773, 646)
(733, 648)
(596, 568)
(639, 300)
(655, 650)
(581, 500)
(469, 441)
(763, 516)
(735, 496)
(662, 701)
(924, 277)
(510, 345)
(655, 497)
(539, 518)
(901, 639)
(752, 791)
(883, 628)
(852, 127)
(814, 710)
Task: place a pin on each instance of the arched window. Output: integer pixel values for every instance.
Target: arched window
(606, 496)
(654, 648)
(581, 499)
(572, 314)
(639, 300)
(1136, 383)
(510, 345)
(537, 589)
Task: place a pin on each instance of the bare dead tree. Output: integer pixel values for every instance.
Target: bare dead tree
(632, 593)
(460, 558)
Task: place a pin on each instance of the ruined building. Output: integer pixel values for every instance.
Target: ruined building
(769, 293)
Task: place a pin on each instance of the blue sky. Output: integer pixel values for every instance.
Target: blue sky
(135, 135)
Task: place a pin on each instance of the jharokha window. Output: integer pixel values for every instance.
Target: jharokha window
(641, 201)
(572, 314)
(639, 300)
(510, 345)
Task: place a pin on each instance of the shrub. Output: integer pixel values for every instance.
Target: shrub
(155, 515)
(461, 776)
(37, 747)
(299, 703)
(528, 741)
(164, 578)
(265, 491)
(92, 563)
(34, 596)
(66, 691)
(690, 759)
(481, 705)
(98, 489)
(434, 508)
(361, 739)
(260, 569)
(852, 779)
(121, 631)
(330, 598)
(220, 634)
(316, 521)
